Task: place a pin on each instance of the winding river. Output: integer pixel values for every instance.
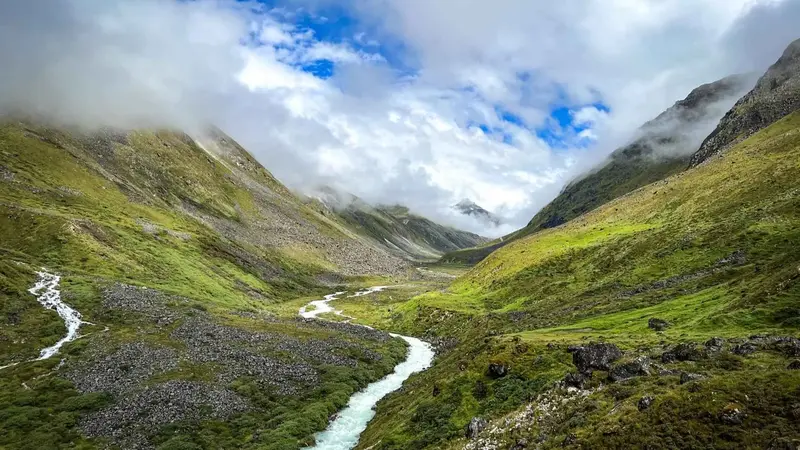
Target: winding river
(344, 431)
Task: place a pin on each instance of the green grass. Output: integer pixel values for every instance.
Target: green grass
(79, 206)
(712, 250)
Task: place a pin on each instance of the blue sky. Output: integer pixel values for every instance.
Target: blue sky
(416, 102)
(336, 25)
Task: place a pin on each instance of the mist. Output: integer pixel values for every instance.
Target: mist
(396, 123)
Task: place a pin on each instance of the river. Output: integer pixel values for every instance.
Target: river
(344, 431)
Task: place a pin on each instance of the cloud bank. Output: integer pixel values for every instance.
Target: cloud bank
(409, 101)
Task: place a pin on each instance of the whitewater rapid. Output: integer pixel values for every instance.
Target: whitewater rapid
(344, 431)
(47, 293)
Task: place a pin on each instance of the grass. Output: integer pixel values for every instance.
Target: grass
(712, 250)
(100, 210)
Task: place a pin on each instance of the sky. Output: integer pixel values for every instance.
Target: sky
(416, 102)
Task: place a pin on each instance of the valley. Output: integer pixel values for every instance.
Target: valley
(162, 289)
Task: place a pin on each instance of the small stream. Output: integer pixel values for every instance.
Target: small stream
(343, 433)
(47, 293)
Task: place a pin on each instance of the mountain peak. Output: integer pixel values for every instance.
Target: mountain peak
(469, 208)
(776, 94)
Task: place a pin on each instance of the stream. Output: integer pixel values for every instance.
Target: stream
(343, 432)
(47, 293)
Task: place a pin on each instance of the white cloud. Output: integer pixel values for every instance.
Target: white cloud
(412, 139)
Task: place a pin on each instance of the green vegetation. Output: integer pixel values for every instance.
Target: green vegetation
(711, 250)
(153, 209)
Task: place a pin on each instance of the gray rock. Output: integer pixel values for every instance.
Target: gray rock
(475, 427)
(576, 380)
(776, 94)
(682, 352)
(744, 349)
(636, 368)
(594, 356)
(657, 324)
(520, 444)
(687, 377)
(498, 370)
(645, 402)
(732, 415)
(714, 344)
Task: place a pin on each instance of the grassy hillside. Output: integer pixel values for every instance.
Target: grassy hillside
(712, 251)
(660, 148)
(173, 254)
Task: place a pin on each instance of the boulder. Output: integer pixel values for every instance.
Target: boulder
(744, 349)
(682, 352)
(570, 439)
(636, 368)
(645, 402)
(714, 344)
(475, 426)
(657, 324)
(594, 356)
(576, 380)
(732, 414)
(498, 370)
(687, 377)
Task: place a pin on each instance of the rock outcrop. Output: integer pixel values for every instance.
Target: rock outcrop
(775, 95)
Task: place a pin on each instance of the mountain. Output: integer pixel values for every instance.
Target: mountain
(169, 251)
(776, 94)
(402, 233)
(662, 147)
(666, 318)
(470, 208)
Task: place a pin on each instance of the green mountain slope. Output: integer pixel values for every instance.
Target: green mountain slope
(712, 251)
(662, 148)
(171, 254)
(402, 233)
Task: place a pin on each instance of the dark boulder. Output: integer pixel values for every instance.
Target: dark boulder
(594, 356)
(636, 368)
(576, 380)
(732, 414)
(744, 349)
(645, 402)
(714, 344)
(687, 377)
(794, 365)
(498, 370)
(682, 352)
(657, 324)
(475, 426)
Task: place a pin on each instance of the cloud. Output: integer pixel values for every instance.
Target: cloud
(413, 102)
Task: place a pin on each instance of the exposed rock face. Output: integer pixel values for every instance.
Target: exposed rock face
(475, 426)
(636, 368)
(594, 356)
(657, 324)
(775, 95)
(498, 370)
